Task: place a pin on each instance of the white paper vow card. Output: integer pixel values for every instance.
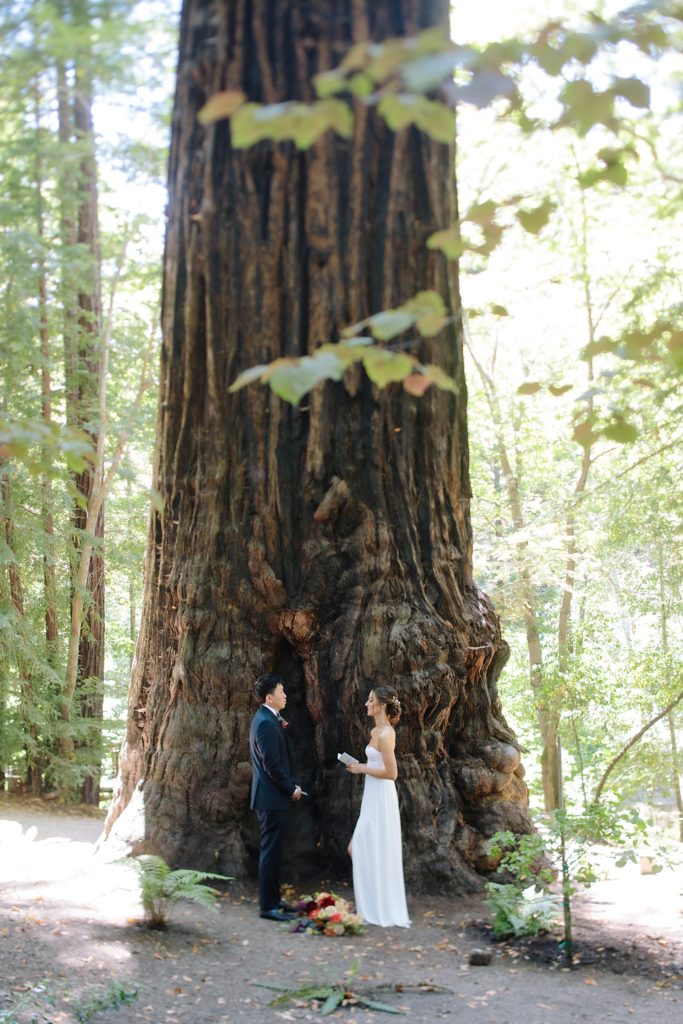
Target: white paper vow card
(347, 759)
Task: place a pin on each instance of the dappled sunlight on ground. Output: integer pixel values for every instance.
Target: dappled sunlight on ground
(63, 871)
(642, 905)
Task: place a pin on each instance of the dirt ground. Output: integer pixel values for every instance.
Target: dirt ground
(71, 951)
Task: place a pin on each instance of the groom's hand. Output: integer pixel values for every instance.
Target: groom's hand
(296, 795)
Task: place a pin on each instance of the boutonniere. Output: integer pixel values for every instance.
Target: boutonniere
(284, 723)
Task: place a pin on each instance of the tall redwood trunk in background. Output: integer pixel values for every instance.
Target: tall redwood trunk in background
(330, 543)
(82, 348)
(90, 690)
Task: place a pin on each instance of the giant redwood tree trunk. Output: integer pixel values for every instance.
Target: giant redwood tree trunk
(331, 542)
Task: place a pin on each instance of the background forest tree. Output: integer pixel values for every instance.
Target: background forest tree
(600, 569)
(80, 282)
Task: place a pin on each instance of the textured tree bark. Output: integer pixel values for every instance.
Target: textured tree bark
(330, 542)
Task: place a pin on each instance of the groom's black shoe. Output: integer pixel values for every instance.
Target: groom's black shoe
(289, 908)
(277, 915)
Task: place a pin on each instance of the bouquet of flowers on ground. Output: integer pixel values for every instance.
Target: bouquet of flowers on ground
(327, 914)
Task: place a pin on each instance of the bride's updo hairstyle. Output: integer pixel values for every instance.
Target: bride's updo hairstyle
(387, 696)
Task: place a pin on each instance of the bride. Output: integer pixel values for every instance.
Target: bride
(375, 846)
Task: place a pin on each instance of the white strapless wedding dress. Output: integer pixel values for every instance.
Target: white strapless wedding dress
(376, 852)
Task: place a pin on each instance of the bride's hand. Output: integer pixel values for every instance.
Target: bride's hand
(356, 769)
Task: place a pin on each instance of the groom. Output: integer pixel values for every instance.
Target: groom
(272, 791)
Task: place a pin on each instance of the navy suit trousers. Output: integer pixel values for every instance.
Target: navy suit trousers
(273, 824)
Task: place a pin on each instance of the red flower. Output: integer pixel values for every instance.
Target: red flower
(328, 901)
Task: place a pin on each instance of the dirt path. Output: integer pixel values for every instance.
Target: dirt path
(69, 951)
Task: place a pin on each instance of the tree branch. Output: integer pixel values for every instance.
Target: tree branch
(632, 742)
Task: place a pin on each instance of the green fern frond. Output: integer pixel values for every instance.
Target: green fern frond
(159, 886)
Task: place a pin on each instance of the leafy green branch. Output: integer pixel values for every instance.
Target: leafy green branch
(418, 81)
(396, 76)
(292, 378)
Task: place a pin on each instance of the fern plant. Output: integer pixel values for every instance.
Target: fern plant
(159, 886)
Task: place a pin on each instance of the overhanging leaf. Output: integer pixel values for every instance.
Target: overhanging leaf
(449, 241)
(484, 87)
(583, 434)
(440, 378)
(482, 213)
(598, 347)
(425, 74)
(383, 367)
(247, 377)
(584, 107)
(622, 431)
(436, 120)
(429, 311)
(338, 116)
(534, 220)
(416, 384)
(291, 379)
(220, 105)
(675, 348)
(634, 90)
(329, 83)
(399, 111)
(247, 128)
(390, 322)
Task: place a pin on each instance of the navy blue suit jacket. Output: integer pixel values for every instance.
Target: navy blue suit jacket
(272, 784)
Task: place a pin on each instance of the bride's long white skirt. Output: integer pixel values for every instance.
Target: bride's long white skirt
(377, 855)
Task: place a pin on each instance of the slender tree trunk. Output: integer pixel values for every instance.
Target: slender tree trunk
(68, 234)
(549, 760)
(549, 763)
(46, 493)
(27, 689)
(546, 712)
(47, 500)
(82, 360)
(329, 542)
(676, 772)
(132, 595)
(68, 293)
(626, 624)
(91, 648)
(664, 628)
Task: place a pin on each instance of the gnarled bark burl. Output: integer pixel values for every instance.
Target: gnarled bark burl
(331, 542)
